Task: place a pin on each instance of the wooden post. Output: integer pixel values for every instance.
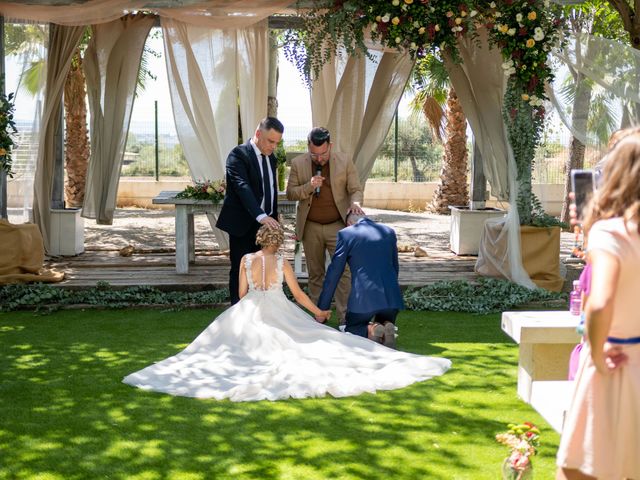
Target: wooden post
(57, 192)
(3, 175)
(478, 180)
(272, 84)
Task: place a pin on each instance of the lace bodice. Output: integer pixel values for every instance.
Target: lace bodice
(266, 274)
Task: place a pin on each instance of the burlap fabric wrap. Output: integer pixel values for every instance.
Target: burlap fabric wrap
(22, 255)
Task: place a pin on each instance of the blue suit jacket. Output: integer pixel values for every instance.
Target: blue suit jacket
(244, 193)
(371, 251)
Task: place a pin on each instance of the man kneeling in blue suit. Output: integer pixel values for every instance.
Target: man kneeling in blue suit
(371, 251)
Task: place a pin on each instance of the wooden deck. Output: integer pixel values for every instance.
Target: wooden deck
(150, 235)
(211, 270)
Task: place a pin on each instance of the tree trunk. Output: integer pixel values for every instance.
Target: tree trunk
(418, 175)
(76, 138)
(453, 188)
(575, 160)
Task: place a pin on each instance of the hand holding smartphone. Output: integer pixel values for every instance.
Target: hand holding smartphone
(583, 185)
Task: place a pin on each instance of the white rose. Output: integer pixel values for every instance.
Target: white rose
(518, 17)
(511, 32)
(395, 3)
(473, 13)
(492, 4)
(386, 18)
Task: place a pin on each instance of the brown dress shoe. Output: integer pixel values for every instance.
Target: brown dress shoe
(389, 335)
(376, 332)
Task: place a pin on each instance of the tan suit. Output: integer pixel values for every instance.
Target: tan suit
(346, 189)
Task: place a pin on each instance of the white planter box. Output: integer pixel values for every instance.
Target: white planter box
(467, 226)
(67, 232)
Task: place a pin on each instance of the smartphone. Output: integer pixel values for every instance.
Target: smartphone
(583, 184)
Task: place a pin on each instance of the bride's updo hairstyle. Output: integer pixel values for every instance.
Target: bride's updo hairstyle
(268, 236)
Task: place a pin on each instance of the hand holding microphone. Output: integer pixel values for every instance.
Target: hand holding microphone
(317, 180)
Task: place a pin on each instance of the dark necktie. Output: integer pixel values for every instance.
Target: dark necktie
(266, 186)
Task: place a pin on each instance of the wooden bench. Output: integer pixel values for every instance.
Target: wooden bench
(546, 340)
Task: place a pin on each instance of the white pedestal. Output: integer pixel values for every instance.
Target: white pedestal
(546, 339)
(67, 232)
(466, 228)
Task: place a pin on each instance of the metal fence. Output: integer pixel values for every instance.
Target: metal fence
(408, 154)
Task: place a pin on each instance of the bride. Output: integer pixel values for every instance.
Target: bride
(266, 347)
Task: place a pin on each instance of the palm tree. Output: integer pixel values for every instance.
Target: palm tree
(76, 151)
(430, 81)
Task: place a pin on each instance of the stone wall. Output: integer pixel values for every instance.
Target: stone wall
(133, 191)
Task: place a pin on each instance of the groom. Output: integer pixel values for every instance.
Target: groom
(371, 251)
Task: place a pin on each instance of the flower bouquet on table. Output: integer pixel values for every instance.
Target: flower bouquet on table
(205, 190)
(522, 440)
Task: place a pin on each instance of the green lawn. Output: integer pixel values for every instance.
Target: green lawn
(64, 413)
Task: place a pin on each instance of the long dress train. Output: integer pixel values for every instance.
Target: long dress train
(266, 347)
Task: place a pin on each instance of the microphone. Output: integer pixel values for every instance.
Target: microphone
(318, 173)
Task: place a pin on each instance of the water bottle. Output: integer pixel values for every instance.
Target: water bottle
(575, 299)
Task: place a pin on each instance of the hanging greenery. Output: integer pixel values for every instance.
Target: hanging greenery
(7, 129)
(524, 32)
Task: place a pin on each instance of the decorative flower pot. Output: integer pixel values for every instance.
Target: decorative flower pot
(467, 226)
(539, 250)
(510, 473)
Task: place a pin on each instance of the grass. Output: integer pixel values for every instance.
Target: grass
(64, 413)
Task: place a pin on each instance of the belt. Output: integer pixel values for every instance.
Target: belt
(623, 341)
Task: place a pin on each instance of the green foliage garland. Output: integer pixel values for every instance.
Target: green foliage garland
(486, 296)
(43, 297)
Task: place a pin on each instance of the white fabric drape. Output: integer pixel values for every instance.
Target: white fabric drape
(211, 13)
(253, 74)
(356, 102)
(385, 93)
(479, 82)
(64, 41)
(201, 73)
(111, 64)
(208, 70)
(25, 153)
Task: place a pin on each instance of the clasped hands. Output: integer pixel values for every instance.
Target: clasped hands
(324, 316)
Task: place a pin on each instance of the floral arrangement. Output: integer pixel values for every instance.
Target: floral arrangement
(523, 440)
(7, 130)
(206, 190)
(524, 31)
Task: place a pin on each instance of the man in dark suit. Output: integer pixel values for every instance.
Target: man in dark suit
(371, 251)
(251, 196)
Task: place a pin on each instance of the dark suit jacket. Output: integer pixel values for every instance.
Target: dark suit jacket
(371, 251)
(244, 193)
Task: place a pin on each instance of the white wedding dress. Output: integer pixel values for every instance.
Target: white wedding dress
(266, 347)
